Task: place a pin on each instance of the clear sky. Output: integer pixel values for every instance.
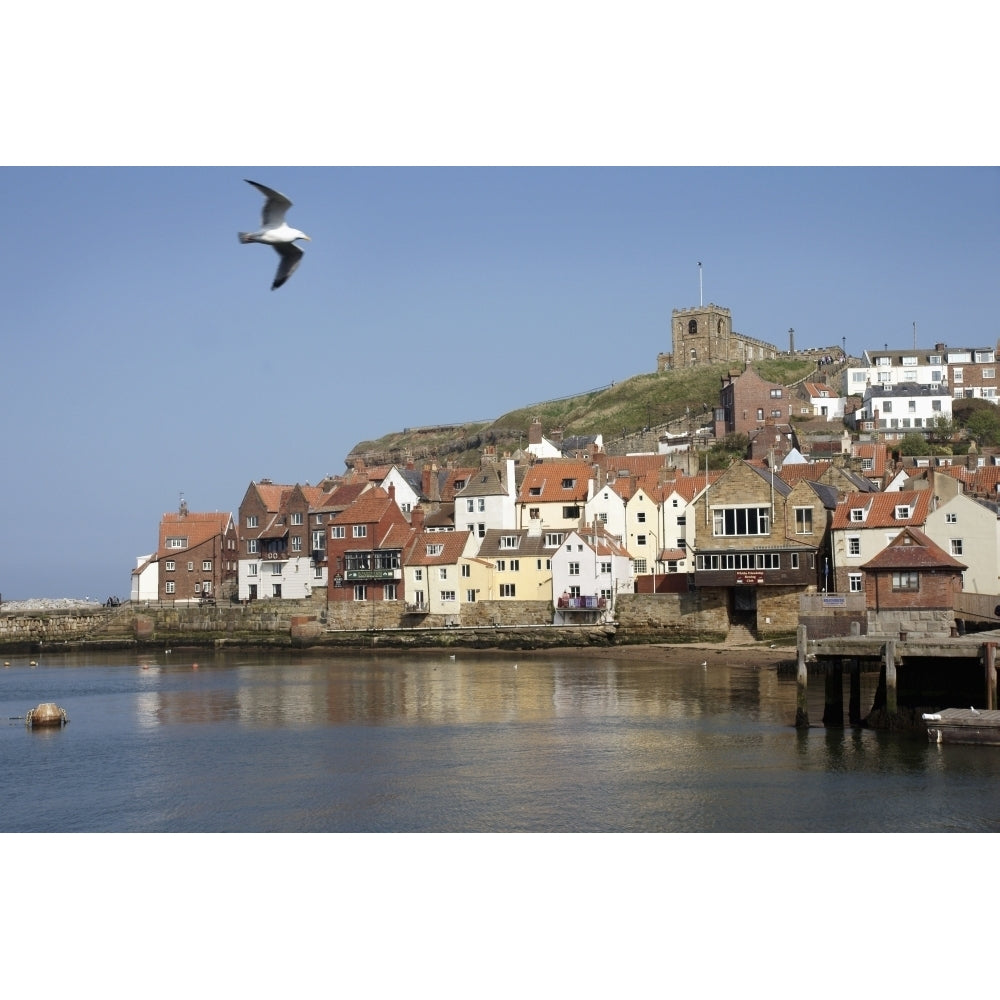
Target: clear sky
(144, 355)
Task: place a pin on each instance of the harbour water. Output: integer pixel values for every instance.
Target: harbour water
(482, 742)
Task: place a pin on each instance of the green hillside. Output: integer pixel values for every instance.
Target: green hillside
(652, 400)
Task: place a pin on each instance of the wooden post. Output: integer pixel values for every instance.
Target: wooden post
(833, 702)
(891, 705)
(854, 705)
(802, 682)
(990, 659)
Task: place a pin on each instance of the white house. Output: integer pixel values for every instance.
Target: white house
(589, 570)
(969, 530)
(898, 410)
(488, 500)
(825, 402)
(145, 579)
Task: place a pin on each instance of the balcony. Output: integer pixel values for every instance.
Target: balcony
(581, 603)
(416, 609)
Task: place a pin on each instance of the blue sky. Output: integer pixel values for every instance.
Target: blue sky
(144, 355)
(142, 361)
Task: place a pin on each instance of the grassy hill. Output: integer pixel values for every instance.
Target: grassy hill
(655, 400)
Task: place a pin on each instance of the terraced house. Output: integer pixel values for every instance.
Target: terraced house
(554, 493)
(197, 555)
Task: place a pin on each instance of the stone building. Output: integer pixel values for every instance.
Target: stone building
(704, 335)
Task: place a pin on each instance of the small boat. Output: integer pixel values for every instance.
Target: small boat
(47, 714)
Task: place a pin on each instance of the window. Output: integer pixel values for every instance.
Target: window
(951, 518)
(760, 413)
(251, 520)
(956, 546)
(318, 541)
(909, 360)
(389, 592)
(605, 568)
(574, 569)
(936, 405)
(435, 548)
(902, 512)
(553, 539)
(251, 569)
(641, 517)
(470, 597)
(508, 590)
(535, 491)
(887, 406)
(509, 541)
(867, 464)
(170, 586)
(775, 394)
(206, 565)
(957, 375)
(360, 592)
(885, 377)
(534, 513)
(296, 517)
(470, 506)
(741, 521)
(447, 595)
(359, 531)
(418, 575)
(854, 583)
(177, 543)
(337, 531)
(190, 566)
(639, 566)
(442, 572)
(466, 570)
(568, 484)
(984, 357)
(571, 513)
(251, 545)
(515, 565)
(857, 513)
(854, 545)
(170, 565)
(989, 373)
(905, 580)
(296, 543)
(795, 560)
(775, 413)
(934, 359)
(681, 520)
(640, 539)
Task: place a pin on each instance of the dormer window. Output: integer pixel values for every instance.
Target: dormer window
(535, 491)
(857, 513)
(435, 549)
(903, 512)
(509, 541)
(568, 484)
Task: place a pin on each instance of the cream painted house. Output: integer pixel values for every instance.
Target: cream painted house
(969, 530)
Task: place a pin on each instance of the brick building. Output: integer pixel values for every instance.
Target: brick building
(197, 555)
(747, 402)
(910, 586)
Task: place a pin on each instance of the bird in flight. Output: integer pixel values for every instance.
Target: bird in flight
(276, 232)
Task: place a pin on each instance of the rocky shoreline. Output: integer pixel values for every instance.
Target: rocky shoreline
(35, 604)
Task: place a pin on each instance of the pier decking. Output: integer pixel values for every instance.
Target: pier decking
(964, 725)
(934, 665)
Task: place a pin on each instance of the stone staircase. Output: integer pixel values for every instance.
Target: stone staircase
(740, 635)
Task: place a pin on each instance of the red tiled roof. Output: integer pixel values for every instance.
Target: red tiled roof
(881, 509)
(195, 527)
(912, 549)
(547, 476)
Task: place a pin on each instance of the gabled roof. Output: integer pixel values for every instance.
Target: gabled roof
(796, 472)
(876, 452)
(548, 475)
(780, 486)
(485, 482)
(369, 508)
(449, 547)
(528, 544)
(829, 495)
(880, 509)
(820, 390)
(195, 527)
(912, 549)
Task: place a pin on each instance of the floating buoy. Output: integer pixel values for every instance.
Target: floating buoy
(33, 663)
(194, 666)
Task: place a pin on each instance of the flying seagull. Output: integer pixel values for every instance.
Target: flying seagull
(275, 231)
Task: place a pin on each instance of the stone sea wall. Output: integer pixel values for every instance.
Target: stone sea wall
(640, 618)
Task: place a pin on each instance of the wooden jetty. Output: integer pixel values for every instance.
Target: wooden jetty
(933, 660)
(963, 725)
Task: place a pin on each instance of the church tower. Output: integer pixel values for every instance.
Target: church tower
(704, 335)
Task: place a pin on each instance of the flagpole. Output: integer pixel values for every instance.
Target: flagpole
(701, 299)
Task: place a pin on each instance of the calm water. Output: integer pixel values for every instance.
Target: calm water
(248, 742)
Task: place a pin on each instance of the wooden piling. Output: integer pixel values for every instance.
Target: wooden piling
(833, 701)
(990, 661)
(854, 704)
(891, 704)
(802, 682)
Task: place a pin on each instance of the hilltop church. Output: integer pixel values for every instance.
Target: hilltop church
(704, 336)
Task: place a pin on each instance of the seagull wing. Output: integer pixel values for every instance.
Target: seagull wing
(273, 214)
(290, 256)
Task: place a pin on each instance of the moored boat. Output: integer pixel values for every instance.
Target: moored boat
(47, 714)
